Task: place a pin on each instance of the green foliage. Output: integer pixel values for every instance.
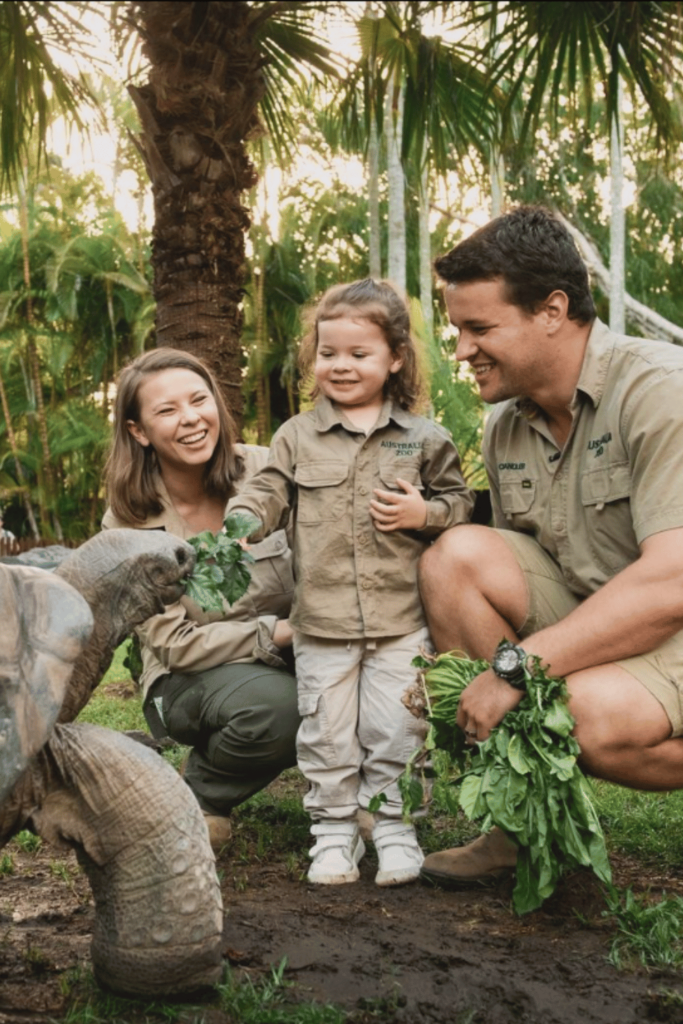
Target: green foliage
(524, 778)
(642, 825)
(650, 933)
(221, 571)
(6, 864)
(123, 715)
(28, 841)
(265, 1002)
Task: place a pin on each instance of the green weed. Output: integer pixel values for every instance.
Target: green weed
(28, 842)
(649, 933)
(6, 864)
(264, 1002)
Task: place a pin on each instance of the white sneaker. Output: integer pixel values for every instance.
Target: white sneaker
(400, 857)
(336, 853)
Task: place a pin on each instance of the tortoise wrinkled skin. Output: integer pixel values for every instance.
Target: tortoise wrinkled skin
(135, 825)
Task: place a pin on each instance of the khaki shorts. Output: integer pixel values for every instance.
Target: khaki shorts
(550, 600)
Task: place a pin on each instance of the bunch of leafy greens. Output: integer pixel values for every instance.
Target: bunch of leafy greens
(524, 778)
(222, 565)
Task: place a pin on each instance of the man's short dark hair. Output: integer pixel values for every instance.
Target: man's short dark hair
(534, 254)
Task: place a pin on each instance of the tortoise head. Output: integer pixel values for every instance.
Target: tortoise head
(129, 575)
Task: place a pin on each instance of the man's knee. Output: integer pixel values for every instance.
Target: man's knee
(461, 553)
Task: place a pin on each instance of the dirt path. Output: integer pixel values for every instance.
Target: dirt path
(405, 955)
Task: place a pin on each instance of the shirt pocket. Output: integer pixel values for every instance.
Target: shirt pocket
(605, 497)
(321, 491)
(517, 500)
(406, 468)
(273, 571)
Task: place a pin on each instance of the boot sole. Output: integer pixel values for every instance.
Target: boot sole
(453, 882)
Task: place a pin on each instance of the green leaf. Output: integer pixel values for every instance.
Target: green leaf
(221, 569)
(240, 525)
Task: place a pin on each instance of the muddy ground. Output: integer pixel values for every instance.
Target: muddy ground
(411, 955)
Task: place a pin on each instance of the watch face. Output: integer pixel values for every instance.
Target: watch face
(508, 660)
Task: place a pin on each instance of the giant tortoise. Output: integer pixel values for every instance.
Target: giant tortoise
(136, 827)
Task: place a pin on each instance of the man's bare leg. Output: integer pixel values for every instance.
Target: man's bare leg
(623, 731)
(473, 589)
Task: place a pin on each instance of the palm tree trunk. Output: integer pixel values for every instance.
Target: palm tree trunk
(617, 232)
(425, 255)
(197, 110)
(46, 488)
(375, 240)
(396, 180)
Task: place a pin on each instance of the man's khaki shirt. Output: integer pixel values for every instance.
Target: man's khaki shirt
(353, 580)
(619, 477)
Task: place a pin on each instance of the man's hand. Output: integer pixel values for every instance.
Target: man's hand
(283, 634)
(392, 511)
(484, 703)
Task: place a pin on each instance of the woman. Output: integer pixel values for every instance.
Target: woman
(215, 681)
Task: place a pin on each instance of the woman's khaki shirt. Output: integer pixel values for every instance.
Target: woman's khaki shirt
(186, 639)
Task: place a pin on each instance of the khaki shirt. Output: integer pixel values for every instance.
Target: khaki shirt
(186, 639)
(619, 477)
(353, 580)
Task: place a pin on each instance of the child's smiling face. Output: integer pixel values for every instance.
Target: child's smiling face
(353, 362)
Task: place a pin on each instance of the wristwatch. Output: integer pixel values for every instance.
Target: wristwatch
(509, 663)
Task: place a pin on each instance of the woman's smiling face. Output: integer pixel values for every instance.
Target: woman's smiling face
(178, 418)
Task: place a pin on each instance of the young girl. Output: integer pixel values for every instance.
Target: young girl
(369, 485)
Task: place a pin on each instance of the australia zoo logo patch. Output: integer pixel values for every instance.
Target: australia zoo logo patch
(597, 444)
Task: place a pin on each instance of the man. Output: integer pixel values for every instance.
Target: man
(584, 566)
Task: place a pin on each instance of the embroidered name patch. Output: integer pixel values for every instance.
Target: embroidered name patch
(403, 447)
(597, 444)
(512, 465)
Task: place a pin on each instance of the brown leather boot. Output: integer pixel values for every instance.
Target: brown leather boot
(483, 862)
(220, 831)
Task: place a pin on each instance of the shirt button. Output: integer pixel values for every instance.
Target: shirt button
(362, 490)
(364, 446)
(366, 584)
(362, 538)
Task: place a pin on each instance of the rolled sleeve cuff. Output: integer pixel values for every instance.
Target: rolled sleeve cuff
(265, 650)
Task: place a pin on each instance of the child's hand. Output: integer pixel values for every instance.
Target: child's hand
(399, 511)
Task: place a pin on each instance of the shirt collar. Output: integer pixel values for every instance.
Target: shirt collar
(596, 361)
(326, 416)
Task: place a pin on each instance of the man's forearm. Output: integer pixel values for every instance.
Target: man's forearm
(632, 614)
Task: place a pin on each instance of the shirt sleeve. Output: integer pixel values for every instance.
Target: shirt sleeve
(180, 644)
(269, 494)
(653, 435)
(449, 500)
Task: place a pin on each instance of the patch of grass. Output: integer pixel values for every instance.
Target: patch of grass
(6, 864)
(273, 823)
(250, 1002)
(643, 825)
(28, 842)
(117, 671)
(264, 1002)
(650, 933)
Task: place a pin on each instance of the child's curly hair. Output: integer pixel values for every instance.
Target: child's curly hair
(380, 303)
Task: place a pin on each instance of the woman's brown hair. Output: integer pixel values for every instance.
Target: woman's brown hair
(131, 468)
(381, 304)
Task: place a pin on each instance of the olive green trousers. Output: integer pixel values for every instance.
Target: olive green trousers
(241, 721)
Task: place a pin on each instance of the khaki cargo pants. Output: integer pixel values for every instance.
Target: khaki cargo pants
(355, 736)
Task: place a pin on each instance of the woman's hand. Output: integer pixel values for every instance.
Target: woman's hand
(283, 634)
(399, 511)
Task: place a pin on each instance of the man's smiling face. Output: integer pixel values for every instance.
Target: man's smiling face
(504, 345)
